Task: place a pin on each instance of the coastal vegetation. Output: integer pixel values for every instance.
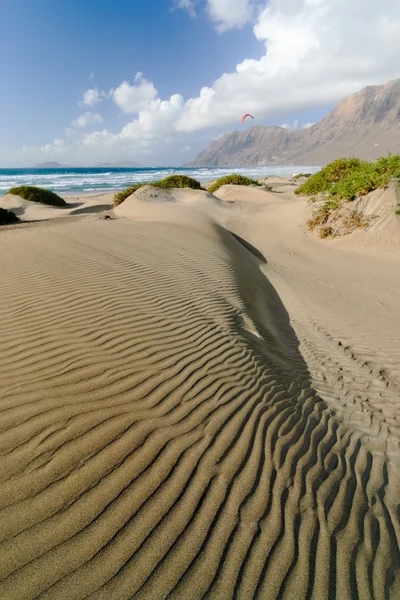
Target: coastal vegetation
(234, 179)
(299, 175)
(37, 194)
(7, 217)
(349, 178)
(172, 181)
(343, 181)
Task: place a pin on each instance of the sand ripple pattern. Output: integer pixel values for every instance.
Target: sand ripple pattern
(159, 435)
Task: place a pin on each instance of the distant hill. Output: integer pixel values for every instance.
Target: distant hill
(51, 165)
(365, 124)
(127, 164)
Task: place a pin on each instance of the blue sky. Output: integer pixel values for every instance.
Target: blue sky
(275, 59)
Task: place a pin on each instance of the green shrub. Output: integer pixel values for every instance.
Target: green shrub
(397, 210)
(178, 181)
(344, 180)
(7, 217)
(172, 181)
(234, 179)
(36, 194)
(348, 178)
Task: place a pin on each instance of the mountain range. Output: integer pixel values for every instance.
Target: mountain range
(365, 124)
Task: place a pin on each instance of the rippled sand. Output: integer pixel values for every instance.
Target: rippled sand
(181, 414)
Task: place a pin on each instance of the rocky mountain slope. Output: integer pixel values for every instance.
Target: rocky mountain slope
(365, 124)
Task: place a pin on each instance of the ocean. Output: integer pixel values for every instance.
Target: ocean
(87, 180)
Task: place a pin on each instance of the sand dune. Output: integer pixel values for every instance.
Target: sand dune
(76, 204)
(168, 430)
(383, 232)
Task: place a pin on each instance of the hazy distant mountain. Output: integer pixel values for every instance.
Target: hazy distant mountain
(127, 163)
(365, 124)
(50, 165)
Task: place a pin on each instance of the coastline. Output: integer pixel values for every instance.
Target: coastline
(103, 180)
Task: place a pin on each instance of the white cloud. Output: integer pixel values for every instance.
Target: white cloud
(91, 97)
(155, 122)
(225, 14)
(131, 99)
(86, 119)
(189, 5)
(229, 14)
(296, 125)
(185, 149)
(55, 147)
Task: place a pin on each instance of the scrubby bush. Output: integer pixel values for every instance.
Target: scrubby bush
(348, 178)
(172, 181)
(234, 179)
(321, 215)
(345, 180)
(397, 210)
(36, 194)
(336, 218)
(178, 181)
(7, 217)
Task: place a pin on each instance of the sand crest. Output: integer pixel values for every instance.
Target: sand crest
(169, 429)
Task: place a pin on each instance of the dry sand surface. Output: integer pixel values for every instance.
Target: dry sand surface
(198, 400)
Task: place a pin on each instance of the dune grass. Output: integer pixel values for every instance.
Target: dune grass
(37, 194)
(397, 209)
(234, 179)
(172, 181)
(7, 217)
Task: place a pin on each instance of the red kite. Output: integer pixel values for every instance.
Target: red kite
(246, 115)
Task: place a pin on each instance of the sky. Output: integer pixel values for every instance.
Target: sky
(156, 81)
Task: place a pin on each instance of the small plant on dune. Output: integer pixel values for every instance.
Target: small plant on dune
(397, 210)
(172, 181)
(36, 194)
(336, 218)
(119, 197)
(7, 217)
(299, 175)
(234, 179)
(321, 215)
(178, 181)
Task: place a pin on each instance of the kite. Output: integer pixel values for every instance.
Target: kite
(246, 115)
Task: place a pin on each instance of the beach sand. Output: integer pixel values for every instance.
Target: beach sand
(198, 400)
